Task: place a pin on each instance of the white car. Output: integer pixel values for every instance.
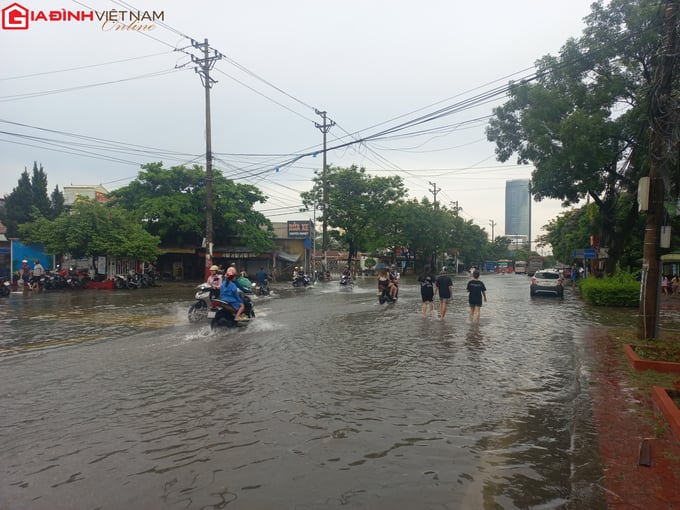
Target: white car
(547, 281)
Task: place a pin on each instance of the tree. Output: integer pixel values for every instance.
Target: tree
(583, 121)
(568, 232)
(469, 240)
(29, 194)
(171, 203)
(40, 199)
(356, 203)
(18, 205)
(56, 203)
(92, 228)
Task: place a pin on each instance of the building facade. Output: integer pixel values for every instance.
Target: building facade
(517, 208)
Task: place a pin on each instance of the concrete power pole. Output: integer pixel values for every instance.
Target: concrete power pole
(434, 191)
(325, 127)
(493, 224)
(203, 67)
(661, 124)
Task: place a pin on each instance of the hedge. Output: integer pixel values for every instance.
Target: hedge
(623, 289)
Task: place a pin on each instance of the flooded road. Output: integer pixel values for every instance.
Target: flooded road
(112, 400)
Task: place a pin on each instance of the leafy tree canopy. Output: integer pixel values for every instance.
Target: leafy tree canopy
(92, 228)
(582, 122)
(171, 203)
(356, 201)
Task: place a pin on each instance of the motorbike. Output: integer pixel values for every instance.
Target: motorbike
(120, 281)
(324, 275)
(204, 293)
(301, 280)
(4, 288)
(262, 289)
(385, 297)
(222, 314)
(346, 280)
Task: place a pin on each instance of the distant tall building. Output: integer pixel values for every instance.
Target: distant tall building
(517, 208)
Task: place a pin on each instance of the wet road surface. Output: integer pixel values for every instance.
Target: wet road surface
(112, 400)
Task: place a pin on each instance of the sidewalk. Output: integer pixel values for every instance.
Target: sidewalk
(625, 418)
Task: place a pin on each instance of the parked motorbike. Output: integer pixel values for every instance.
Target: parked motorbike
(72, 280)
(199, 310)
(222, 314)
(134, 281)
(4, 288)
(120, 281)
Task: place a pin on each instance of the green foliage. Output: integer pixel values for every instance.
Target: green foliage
(360, 207)
(583, 122)
(29, 198)
(568, 232)
(171, 204)
(621, 289)
(92, 228)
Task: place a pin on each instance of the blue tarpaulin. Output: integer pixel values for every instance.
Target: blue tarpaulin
(30, 252)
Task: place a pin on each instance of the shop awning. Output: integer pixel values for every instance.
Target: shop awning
(671, 257)
(288, 257)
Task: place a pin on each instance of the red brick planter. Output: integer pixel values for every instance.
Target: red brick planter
(644, 364)
(664, 400)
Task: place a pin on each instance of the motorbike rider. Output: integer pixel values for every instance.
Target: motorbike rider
(215, 281)
(244, 284)
(261, 277)
(394, 281)
(346, 275)
(383, 281)
(230, 294)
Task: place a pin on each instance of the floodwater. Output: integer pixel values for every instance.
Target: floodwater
(111, 399)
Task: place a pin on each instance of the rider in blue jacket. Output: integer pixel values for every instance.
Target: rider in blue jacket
(230, 294)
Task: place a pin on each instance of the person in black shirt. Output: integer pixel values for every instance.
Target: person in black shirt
(444, 287)
(426, 280)
(476, 290)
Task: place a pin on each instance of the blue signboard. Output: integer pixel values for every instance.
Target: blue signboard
(585, 253)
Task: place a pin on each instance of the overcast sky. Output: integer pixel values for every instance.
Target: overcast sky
(91, 103)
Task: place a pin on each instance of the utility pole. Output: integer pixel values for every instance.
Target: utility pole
(529, 233)
(661, 124)
(493, 224)
(455, 207)
(325, 127)
(203, 67)
(434, 191)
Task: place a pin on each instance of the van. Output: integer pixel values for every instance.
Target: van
(520, 267)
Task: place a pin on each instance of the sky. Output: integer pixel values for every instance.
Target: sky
(93, 100)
